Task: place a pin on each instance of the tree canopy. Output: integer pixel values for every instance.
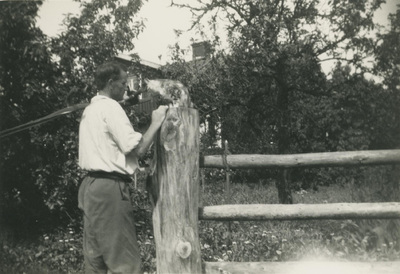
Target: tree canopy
(270, 93)
(39, 75)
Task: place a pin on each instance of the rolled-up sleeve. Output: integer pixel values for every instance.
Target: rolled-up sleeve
(121, 130)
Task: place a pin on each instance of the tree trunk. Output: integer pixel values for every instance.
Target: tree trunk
(283, 185)
(283, 182)
(212, 130)
(176, 179)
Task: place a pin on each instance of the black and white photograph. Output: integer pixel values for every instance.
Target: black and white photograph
(200, 136)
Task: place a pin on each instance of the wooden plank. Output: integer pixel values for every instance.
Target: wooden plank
(263, 212)
(349, 158)
(303, 267)
(176, 177)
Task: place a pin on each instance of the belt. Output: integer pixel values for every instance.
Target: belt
(110, 175)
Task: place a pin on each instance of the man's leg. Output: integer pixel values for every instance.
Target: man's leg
(94, 262)
(113, 225)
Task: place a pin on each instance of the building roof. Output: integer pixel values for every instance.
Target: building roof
(142, 62)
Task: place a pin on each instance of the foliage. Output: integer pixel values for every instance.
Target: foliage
(387, 51)
(39, 75)
(27, 88)
(349, 240)
(357, 113)
(267, 93)
(295, 240)
(58, 251)
(388, 66)
(101, 30)
(274, 55)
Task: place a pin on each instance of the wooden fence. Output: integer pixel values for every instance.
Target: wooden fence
(176, 215)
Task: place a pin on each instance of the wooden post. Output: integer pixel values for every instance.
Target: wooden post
(228, 183)
(202, 182)
(135, 179)
(175, 215)
(228, 173)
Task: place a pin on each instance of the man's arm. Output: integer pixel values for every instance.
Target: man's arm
(157, 118)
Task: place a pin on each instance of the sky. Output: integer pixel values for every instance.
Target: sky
(161, 20)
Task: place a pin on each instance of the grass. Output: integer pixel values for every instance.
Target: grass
(296, 240)
(372, 240)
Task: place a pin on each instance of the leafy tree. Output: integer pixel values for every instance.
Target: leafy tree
(273, 68)
(388, 67)
(27, 84)
(103, 29)
(388, 53)
(40, 75)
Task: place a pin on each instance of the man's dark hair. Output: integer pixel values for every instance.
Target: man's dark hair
(111, 70)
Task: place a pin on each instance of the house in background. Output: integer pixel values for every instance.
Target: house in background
(143, 69)
(138, 71)
(201, 50)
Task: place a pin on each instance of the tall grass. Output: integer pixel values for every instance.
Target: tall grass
(362, 240)
(295, 240)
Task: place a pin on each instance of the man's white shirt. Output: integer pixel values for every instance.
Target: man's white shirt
(106, 138)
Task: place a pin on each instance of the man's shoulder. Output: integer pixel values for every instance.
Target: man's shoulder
(104, 103)
(103, 100)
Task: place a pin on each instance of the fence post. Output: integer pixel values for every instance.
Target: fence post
(228, 182)
(175, 215)
(228, 174)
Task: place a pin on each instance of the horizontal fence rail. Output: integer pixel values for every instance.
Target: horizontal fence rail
(280, 212)
(265, 212)
(325, 159)
(303, 267)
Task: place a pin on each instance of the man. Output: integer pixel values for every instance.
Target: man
(109, 149)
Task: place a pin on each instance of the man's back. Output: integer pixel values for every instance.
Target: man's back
(106, 137)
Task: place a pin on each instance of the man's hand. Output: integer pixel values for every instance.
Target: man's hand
(158, 115)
